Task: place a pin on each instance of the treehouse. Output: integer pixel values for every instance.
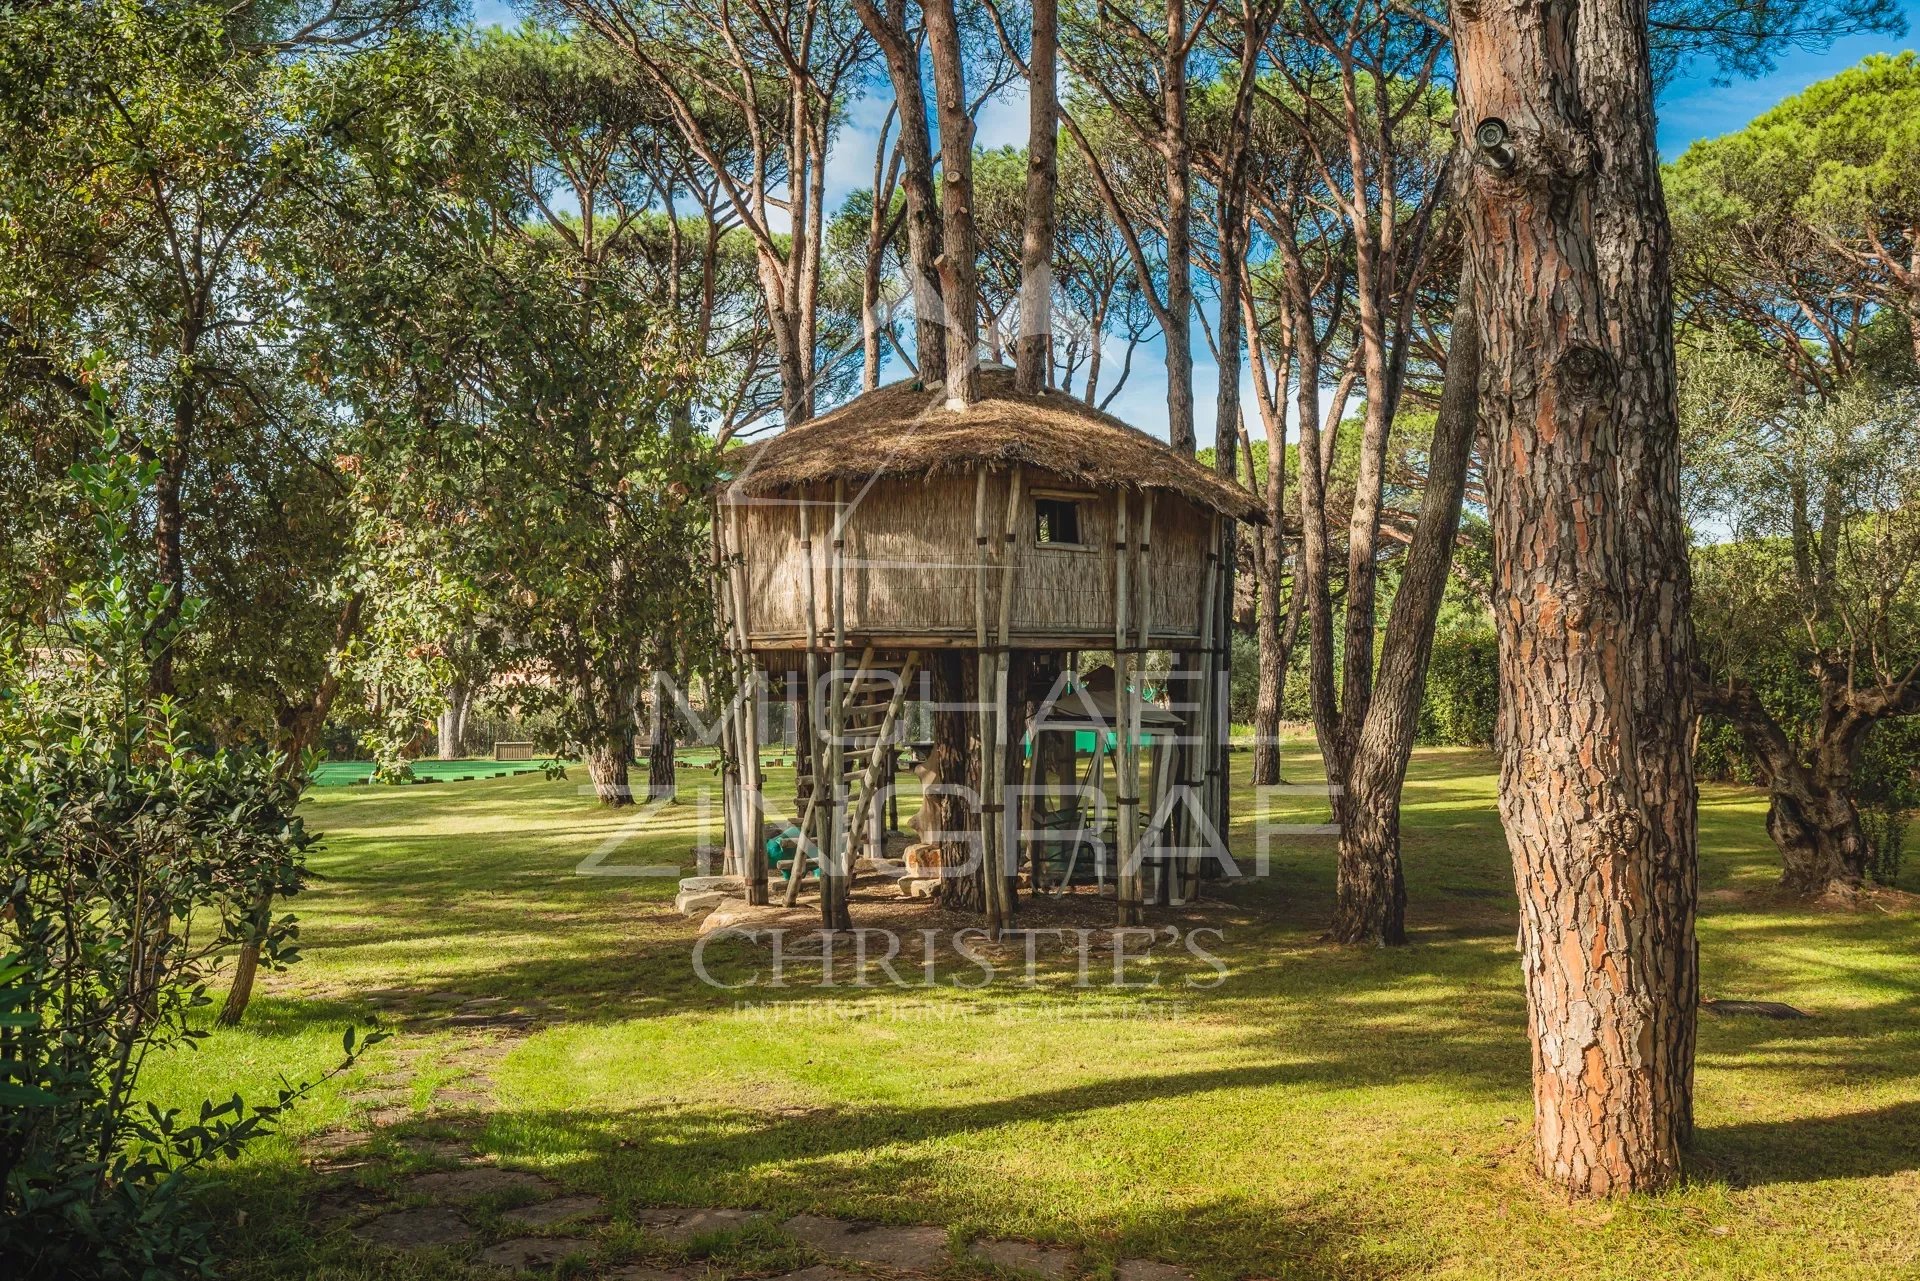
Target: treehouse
(898, 549)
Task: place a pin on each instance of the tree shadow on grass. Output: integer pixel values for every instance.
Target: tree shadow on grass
(1854, 1145)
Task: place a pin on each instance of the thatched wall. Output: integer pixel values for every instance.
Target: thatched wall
(911, 560)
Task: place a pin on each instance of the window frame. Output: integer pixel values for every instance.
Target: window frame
(1080, 499)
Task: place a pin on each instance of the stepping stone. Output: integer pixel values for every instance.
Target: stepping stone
(1761, 1009)
(1149, 1270)
(524, 1254)
(544, 1214)
(462, 1186)
(335, 1142)
(818, 1272)
(384, 1117)
(681, 1226)
(641, 1272)
(489, 1020)
(914, 1248)
(462, 1098)
(416, 1229)
(342, 1203)
(699, 883)
(385, 1098)
(1051, 1261)
(692, 902)
(442, 1150)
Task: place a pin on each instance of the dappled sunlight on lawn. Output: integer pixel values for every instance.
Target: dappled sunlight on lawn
(1321, 1111)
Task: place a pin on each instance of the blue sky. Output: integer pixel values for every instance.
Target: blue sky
(1692, 108)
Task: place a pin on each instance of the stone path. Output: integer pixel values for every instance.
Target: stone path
(515, 1221)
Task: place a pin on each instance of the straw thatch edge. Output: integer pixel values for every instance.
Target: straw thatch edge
(906, 429)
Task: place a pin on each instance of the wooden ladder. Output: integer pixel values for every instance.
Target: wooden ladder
(870, 702)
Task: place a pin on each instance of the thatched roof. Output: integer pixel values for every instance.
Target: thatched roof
(905, 429)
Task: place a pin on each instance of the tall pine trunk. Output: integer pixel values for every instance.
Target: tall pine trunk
(1371, 892)
(661, 779)
(889, 31)
(959, 265)
(1567, 249)
(954, 763)
(1032, 361)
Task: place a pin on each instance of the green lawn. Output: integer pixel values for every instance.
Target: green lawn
(1321, 1112)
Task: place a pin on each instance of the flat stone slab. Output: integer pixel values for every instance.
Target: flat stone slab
(738, 914)
(462, 1186)
(1759, 1009)
(565, 1209)
(416, 1229)
(691, 902)
(681, 1226)
(913, 1248)
(1148, 1270)
(335, 1142)
(442, 1150)
(732, 884)
(523, 1254)
(1051, 1261)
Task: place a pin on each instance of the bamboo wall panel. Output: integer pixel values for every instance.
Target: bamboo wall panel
(910, 571)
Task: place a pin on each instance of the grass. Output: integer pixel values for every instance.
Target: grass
(1320, 1112)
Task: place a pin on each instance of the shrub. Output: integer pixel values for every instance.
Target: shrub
(130, 856)
(1462, 702)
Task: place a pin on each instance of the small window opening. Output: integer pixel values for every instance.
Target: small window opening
(1056, 520)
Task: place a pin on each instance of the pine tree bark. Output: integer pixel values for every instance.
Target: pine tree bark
(1568, 249)
(662, 782)
(954, 763)
(1371, 892)
(902, 53)
(958, 263)
(608, 762)
(1178, 237)
(1033, 357)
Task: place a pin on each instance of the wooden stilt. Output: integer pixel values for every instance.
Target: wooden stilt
(1003, 700)
(836, 865)
(809, 842)
(984, 687)
(1125, 762)
(1207, 725)
(752, 795)
(730, 851)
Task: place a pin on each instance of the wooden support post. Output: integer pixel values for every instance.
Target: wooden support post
(729, 724)
(1206, 728)
(1003, 701)
(1143, 576)
(1125, 761)
(752, 796)
(835, 860)
(1220, 777)
(809, 823)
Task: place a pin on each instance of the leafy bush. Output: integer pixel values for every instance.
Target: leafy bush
(1462, 702)
(128, 857)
